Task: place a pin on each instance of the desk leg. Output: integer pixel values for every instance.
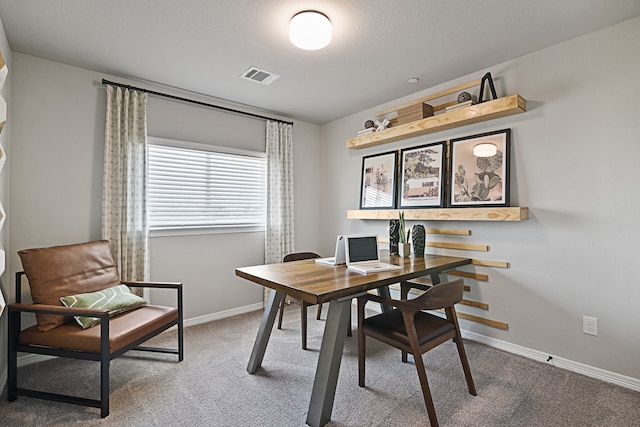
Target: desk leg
(264, 332)
(324, 385)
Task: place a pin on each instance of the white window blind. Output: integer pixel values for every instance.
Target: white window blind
(204, 187)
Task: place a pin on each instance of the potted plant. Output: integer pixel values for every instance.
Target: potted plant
(404, 247)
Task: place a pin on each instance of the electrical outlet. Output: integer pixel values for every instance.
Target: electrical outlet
(590, 325)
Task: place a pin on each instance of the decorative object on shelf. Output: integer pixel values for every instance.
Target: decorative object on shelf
(3, 216)
(3, 156)
(378, 181)
(464, 97)
(369, 124)
(404, 247)
(417, 111)
(381, 124)
(3, 113)
(366, 131)
(394, 237)
(4, 70)
(3, 303)
(480, 181)
(422, 176)
(418, 235)
(487, 78)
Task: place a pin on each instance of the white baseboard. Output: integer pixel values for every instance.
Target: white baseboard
(570, 365)
(223, 314)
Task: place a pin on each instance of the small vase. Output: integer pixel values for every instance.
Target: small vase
(394, 236)
(404, 250)
(418, 236)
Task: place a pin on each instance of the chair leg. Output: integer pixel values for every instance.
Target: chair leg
(422, 372)
(281, 312)
(465, 367)
(105, 360)
(12, 359)
(303, 319)
(451, 314)
(426, 391)
(104, 388)
(349, 326)
(319, 311)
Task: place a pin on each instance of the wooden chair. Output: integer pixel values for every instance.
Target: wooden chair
(297, 256)
(413, 331)
(78, 272)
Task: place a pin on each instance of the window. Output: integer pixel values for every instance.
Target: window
(197, 185)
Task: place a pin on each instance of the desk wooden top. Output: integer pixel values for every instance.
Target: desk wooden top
(318, 283)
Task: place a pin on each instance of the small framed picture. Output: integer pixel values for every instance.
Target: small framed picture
(378, 182)
(479, 170)
(422, 176)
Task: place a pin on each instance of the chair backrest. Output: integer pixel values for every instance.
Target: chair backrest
(442, 295)
(297, 256)
(61, 271)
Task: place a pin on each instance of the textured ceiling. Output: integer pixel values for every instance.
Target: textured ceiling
(205, 45)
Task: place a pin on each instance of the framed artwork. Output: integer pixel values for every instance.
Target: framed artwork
(479, 170)
(422, 176)
(378, 182)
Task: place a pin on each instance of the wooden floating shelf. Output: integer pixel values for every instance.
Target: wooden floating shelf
(501, 107)
(446, 214)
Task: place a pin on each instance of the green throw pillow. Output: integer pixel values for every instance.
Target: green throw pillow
(116, 300)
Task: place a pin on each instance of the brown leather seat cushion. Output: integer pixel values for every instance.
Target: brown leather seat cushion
(61, 271)
(123, 330)
(390, 324)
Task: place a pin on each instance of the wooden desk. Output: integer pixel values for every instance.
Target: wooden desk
(317, 283)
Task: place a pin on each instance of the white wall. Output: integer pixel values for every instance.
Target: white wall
(574, 158)
(57, 180)
(5, 140)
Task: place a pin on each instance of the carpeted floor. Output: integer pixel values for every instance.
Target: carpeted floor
(211, 387)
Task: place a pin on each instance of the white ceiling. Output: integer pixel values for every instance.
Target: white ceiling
(205, 45)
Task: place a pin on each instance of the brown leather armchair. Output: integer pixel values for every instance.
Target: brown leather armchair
(85, 268)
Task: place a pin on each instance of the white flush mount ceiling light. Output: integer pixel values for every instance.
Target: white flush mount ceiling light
(485, 149)
(310, 30)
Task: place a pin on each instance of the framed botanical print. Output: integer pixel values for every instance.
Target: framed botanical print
(479, 170)
(422, 176)
(378, 181)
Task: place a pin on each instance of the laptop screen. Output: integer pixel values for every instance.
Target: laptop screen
(363, 248)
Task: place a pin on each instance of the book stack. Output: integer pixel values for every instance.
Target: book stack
(459, 105)
(414, 112)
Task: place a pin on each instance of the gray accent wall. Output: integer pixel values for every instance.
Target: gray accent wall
(575, 156)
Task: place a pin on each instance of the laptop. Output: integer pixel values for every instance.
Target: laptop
(339, 257)
(363, 255)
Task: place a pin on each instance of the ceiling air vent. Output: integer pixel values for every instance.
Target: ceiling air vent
(260, 76)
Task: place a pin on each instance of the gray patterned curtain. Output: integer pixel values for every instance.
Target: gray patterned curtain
(124, 210)
(279, 235)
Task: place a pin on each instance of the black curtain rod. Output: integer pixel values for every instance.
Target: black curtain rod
(193, 101)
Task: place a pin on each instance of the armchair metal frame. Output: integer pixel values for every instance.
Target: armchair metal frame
(104, 356)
